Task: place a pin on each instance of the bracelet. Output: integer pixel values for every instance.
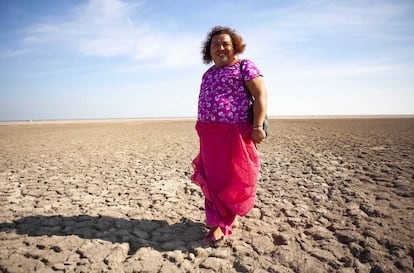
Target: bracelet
(257, 126)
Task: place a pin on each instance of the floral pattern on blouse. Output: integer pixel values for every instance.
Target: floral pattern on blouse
(223, 97)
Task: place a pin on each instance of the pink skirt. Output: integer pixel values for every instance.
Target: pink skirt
(226, 169)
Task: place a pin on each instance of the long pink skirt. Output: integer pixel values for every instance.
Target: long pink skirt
(226, 169)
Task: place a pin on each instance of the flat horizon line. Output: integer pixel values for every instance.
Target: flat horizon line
(34, 121)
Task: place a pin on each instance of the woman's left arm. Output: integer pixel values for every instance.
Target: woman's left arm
(257, 88)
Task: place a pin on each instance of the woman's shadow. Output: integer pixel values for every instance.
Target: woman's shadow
(158, 234)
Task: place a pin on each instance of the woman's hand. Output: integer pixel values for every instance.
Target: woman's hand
(258, 135)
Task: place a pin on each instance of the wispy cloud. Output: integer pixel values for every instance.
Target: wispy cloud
(334, 39)
(368, 17)
(344, 71)
(8, 53)
(111, 28)
(344, 21)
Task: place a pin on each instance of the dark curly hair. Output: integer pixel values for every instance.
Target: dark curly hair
(236, 39)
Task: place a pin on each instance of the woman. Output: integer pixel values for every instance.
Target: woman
(227, 166)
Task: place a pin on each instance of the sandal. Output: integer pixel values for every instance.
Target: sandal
(235, 224)
(212, 238)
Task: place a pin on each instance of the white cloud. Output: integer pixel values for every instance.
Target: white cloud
(347, 21)
(327, 40)
(344, 70)
(112, 28)
(13, 53)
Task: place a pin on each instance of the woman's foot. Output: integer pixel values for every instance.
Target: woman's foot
(214, 236)
(235, 223)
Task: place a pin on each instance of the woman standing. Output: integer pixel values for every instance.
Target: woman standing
(227, 166)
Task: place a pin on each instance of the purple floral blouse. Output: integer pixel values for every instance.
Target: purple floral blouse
(223, 97)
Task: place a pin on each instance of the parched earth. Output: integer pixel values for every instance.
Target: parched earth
(335, 195)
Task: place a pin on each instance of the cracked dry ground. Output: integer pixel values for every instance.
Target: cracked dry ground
(335, 195)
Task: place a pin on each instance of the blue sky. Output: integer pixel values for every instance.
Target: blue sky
(130, 59)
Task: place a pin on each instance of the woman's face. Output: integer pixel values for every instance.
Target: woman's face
(221, 49)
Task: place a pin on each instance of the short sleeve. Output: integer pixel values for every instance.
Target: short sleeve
(250, 70)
